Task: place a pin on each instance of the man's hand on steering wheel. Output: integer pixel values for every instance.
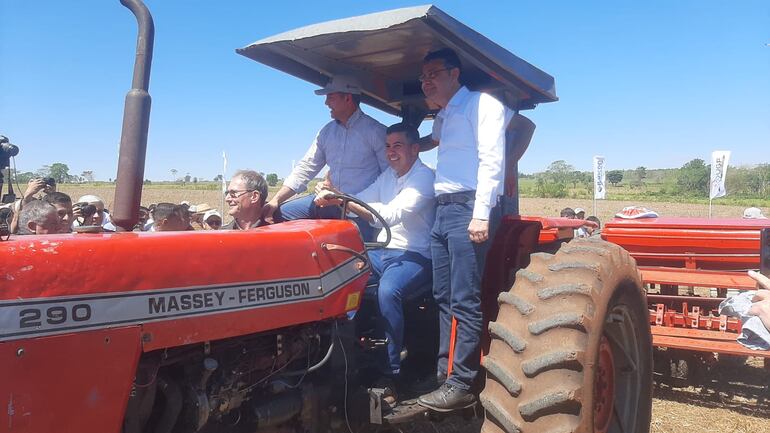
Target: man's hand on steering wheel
(327, 197)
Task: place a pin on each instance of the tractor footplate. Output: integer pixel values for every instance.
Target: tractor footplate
(407, 411)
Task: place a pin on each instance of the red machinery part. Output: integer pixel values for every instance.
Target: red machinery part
(692, 252)
(81, 381)
(604, 387)
(697, 243)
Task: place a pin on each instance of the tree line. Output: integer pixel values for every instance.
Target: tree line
(60, 172)
(691, 180)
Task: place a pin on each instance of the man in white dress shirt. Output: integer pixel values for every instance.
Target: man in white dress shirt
(469, 174)
(403, 195)
(352, 144)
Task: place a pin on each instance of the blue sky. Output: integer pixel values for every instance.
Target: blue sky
(652, 83)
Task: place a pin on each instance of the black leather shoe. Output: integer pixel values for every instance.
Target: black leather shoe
(448, 398)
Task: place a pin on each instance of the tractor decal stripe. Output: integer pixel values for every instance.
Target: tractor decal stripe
(37, 317)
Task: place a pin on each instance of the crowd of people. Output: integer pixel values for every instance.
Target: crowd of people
(587, 230)
(44, 210)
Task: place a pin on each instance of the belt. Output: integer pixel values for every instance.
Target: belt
(456, 197)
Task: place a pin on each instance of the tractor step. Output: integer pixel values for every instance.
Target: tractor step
(409, 411)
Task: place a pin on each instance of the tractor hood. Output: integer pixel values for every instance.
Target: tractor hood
(384, 51)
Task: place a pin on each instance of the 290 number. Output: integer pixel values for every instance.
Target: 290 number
(57, 315)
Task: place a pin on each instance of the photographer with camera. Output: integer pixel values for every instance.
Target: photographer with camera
(35, 188)
(89, 211)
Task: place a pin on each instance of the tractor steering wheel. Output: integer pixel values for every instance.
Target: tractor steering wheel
(349, 198)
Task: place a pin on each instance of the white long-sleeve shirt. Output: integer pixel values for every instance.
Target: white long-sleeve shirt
(407, 204)
(355, 153)
(471, 148)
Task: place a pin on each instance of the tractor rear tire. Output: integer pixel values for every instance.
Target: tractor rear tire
(571, 347)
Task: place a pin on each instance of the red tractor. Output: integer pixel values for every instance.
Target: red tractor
(254, 331)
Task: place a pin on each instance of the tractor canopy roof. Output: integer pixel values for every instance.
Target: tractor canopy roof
(384, 52)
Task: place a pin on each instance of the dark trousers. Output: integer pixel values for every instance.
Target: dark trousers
(458, 266)
(305, 208)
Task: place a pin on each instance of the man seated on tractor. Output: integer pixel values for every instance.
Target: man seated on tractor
(351, 144)
(403, 196)
(245, 197)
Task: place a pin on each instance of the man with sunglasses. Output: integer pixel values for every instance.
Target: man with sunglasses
(471, 138)
(245, 197)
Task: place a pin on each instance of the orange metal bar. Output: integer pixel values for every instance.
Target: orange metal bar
(696, 344)
(452, 338)
(699, 334)
(697, 277)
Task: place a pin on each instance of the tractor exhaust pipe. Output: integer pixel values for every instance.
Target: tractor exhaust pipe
(136, 123)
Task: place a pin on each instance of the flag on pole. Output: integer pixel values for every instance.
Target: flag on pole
(224, 171)
(719, 161)
(600, 182)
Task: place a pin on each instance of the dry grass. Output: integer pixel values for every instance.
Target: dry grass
(150, 194)
(605, 209)
(529, 206)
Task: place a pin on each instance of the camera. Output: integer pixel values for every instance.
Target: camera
(49, 181)
(86, 210)
(7, 150)
(5, 222)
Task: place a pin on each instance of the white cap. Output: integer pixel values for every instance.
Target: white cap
(579, 209)
(753, 213)
(201, 208)
(90, 198)
(340, 84)
(211, 213)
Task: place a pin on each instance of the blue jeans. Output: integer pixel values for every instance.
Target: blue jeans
(305, 208)
(458, 266)
(400, 275)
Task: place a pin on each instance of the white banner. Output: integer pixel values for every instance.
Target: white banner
(719, 161)
(600, 182)
(224, 172)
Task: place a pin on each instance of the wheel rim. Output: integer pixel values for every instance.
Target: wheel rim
(622, 339)
(604, 387)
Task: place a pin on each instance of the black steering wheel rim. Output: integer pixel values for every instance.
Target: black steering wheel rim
(346, 198)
